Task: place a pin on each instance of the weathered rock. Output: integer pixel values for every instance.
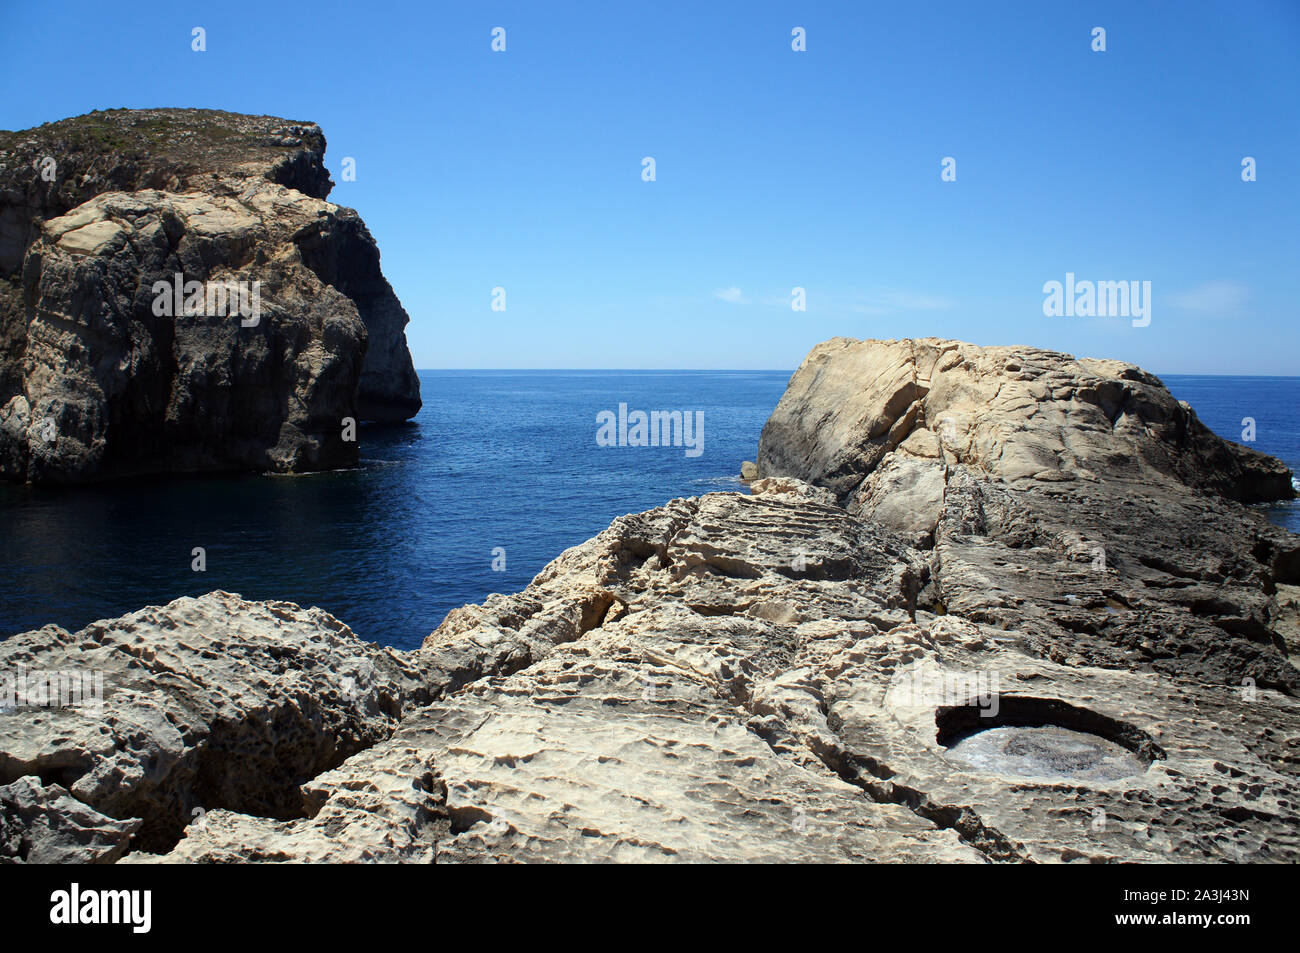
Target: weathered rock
(1074, 501)
(206, 703)
(773, 676)
(123, 390)
(744, 709)
(626, 737)
(1024, 415)
(95, 383)
(381, 806)
(44, 824)
(1219, 770)
(48, 171)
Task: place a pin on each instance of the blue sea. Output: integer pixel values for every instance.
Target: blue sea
(499, 466)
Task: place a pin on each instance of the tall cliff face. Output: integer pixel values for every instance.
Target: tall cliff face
(95, 382)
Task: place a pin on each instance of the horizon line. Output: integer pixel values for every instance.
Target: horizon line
(765, 370)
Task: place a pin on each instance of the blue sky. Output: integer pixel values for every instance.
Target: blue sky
(775, 169)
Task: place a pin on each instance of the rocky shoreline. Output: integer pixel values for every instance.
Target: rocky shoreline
(979, 605)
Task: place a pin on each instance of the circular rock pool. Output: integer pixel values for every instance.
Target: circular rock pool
(1047, 751)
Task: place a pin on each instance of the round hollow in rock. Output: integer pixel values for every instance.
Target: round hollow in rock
(1044, 737)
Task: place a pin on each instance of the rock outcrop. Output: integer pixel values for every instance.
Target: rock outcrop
(294, 328)
(798, 673)
(1074, 501)
(209, 703)
(44, 824)
(1025, 416)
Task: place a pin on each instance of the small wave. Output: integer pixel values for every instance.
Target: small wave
(731, 482)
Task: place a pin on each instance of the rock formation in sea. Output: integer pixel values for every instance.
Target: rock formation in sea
(978, 605)
(103, 374)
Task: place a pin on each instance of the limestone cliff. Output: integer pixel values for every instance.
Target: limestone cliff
(97, 212)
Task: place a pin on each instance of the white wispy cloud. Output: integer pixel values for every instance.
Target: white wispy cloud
(1213, 297)
(733, 295)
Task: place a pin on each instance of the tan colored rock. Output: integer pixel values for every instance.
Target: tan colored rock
(904, 493)
(205, 703)
(109, 375)
(44, 824)
(1019, 414)
(92, 238)
(1070, 666)
(791, 489)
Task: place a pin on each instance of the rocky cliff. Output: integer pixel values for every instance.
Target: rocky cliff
(797, 673)
(1028, 417)
(105, 373)
(1075, 501)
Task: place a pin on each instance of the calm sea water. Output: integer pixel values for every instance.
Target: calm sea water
(496, 460)
(1273, 403)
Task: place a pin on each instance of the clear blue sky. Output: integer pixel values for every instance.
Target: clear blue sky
(775, 169)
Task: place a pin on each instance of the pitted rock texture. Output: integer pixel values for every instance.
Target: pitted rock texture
(94, 384)
(783, 704)
(783, 675)
(207, 703)
(611, 719)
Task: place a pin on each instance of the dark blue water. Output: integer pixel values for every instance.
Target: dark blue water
(1272, 402)
(495, 459)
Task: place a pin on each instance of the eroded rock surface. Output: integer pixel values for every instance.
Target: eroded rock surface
(1073, 501)
(206, 703)
(799, 673)
(95, 383)
(1024, 415)
(44, 824)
